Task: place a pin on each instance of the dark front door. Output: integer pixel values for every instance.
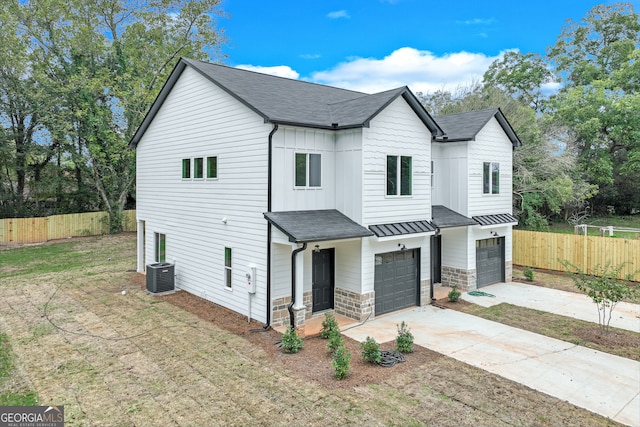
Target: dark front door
(323, 279)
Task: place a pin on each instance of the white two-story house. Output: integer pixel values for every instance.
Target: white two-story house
(281, 199)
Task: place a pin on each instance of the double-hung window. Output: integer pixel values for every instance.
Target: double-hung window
(308, 170)
(399, 176)
(491, 178)
(160, 247)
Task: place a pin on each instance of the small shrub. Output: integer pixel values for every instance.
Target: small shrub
(335, 340)
(329, 324)
(341, 361)
(291, 342)
(404, 340)
(528, 273)
(370, 350)
(454, 294)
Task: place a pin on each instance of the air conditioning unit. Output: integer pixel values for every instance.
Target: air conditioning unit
(160, 277)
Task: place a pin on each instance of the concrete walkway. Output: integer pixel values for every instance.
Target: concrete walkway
(570, 304)
(599, 382)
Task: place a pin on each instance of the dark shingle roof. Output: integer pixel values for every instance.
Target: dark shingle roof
(316, 226)
(466, 126)
(444, 217)
(402, 228)
(287, 101)
(496, 219)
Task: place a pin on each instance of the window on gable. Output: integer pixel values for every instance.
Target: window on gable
(212, 167)
(491, 178)
(227, 268)
(186, 168)
(399, 175)
(198, 166)
(160, 243)
(308, 169)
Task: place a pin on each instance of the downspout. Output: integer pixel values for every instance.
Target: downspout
(293, 282)
(269, 173)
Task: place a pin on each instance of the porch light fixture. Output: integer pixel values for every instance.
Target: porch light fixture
(316, 248)
(494, 234)
(402, 246)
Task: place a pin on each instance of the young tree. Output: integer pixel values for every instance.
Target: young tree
(604, 288)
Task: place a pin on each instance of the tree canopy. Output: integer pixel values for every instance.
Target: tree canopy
(577, 111)
(76, 80)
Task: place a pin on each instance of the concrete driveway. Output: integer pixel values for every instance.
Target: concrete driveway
(602, 383)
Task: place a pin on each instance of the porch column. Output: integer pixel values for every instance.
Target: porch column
(140, 246)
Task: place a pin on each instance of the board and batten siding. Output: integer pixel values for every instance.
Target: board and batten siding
(288, 141)
(491, 145)
(348, 190)
(198, 119)
(396, 131)
(450, 164)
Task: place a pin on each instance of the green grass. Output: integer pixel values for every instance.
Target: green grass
(559, 327)
(7, 368)
(39, 259)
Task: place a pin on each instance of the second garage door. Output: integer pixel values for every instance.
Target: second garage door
(396, 280)
(490, 261)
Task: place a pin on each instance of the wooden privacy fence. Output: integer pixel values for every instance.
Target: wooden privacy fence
(38, 230)
(546, 250)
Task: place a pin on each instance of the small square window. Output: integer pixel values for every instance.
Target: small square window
(198, 166)
(186, 168)
(212, 167)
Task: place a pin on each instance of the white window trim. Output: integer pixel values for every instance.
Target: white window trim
(193, 174)
(206, 168)
(227, 270)
(398, 177)
(190, 168)
(490, 193)
(308, 171)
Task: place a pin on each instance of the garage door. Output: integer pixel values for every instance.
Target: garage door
(396, 280)
(490, 261)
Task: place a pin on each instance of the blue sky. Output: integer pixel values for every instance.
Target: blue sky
(374, 45)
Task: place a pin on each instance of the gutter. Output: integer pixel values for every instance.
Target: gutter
(293, 283)
(269, 185)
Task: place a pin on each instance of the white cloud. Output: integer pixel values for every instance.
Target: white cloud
(279, 70)
(421, 70)
(478, 21)
(338, 14)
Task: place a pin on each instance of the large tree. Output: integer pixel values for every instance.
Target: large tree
(599, 102)
(101, 64)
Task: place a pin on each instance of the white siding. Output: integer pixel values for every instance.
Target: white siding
(198, 120)
(396, 131)
(290, 140)
(349, 173)
(450, 161)
(491, 145)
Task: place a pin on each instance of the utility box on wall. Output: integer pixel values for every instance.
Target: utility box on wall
(160, 277)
